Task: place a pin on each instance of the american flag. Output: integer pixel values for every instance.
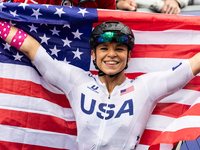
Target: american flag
(36, 115)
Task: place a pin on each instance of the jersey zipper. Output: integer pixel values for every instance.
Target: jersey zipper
(102, 129)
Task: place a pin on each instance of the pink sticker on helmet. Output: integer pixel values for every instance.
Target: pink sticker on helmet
(4, 29)
(18, 39)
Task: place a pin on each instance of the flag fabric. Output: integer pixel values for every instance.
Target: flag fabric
(36, 115)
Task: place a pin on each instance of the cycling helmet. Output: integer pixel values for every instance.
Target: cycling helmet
(110, 31)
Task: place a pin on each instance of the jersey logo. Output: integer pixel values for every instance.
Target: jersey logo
(127, 90)
(93, 88)
(174, 68)
(106, 111)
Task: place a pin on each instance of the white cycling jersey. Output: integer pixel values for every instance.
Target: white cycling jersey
(116, 121)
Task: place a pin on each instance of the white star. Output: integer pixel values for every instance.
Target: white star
(47, 5)
(65, 60)
(59, 11)
(23, 5)
(54, 31)
(66, 25)
(44, 39)
(33, 28)
(18, 57)
(44, 24)
(12, 24)
(66, 42)
(7, 46)
(83, 11)
(36, 13)
(77, 34)
(2, 6)
(77, 54)
(14, 13)
(54, 51)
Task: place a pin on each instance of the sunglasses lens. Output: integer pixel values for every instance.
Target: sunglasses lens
(107, 37)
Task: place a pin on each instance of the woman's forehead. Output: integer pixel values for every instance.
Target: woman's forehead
(115, 44)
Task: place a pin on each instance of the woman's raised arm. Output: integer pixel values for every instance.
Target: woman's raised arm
(19, 39)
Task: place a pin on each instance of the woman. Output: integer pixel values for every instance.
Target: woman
(111, 110)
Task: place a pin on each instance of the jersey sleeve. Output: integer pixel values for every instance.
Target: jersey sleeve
(57, 73)
(160, 84)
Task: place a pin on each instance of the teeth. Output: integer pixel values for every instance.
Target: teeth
(110, 62)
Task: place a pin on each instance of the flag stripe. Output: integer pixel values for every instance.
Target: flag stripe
(171, 37)
(165, 109)
(188, 132)
(150, 22)
(35, 105)
(27, 73)
(27, 88)
(149, 136)
(164, 51)
(37, 121)
(21, 146)
(37, 137)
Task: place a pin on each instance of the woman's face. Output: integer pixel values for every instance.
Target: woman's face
(111, 58)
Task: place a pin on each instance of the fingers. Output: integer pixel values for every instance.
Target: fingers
(171, 7)
(125, 5)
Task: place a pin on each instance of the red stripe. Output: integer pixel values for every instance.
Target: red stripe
(27, 88)
(149, 136)
(37, 121)
(174, 110)
(150, 21)
(133, 75)
(21, 146)
(164, 51)
(193, 111)
(183, 134)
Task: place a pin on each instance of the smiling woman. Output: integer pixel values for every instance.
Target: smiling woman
(111, 110)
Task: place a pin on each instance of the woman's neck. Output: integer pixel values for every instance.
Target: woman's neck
(111, 82)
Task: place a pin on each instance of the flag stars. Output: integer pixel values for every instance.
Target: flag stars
(54, 51)
(44, 39)
(77, 54)
(17, 56)
(11, 23)
(14, 13)
(6, 46)
(33, 28)
(47, 5)
(59, 12)
(36, 13)
(65, 60)
(2, 6)
(66, 42)
(66, 25)
(23, 5)
(77, 34)
(83, 11)
(54, 31)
